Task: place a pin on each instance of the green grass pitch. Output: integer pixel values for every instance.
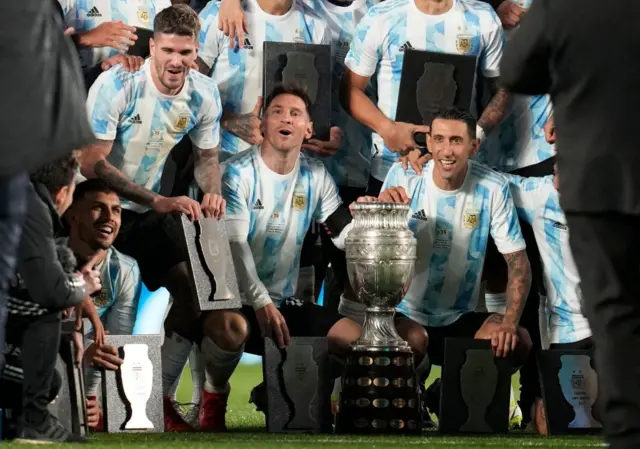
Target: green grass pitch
(247, 431)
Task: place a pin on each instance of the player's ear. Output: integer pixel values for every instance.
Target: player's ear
(152, 46)
(309, 131)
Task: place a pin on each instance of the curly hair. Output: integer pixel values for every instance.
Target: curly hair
(177, 19)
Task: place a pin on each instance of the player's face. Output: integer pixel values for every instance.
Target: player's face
(286, 123)
(173, 56)
(451, 147)
(96, 219)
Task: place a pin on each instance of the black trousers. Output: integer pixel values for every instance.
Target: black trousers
(606, 248)
(39, 339)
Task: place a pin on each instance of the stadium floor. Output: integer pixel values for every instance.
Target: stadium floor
(247, 430)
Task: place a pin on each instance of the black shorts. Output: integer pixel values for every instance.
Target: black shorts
(374, 187)
(584, 345)
(464, 327)
(155, 241)
(304, 320)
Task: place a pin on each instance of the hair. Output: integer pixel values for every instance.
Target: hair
(57, 174)
(90, 186)
(454, 113)
(288, 89)
(177, 19)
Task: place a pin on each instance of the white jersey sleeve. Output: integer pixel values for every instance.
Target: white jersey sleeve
(505, 228)
(120, 319)
(107, 99)
(365, 50)
(212, 41)
(70, 11)
(492, 48)
(528, 195)
(206, 133)
(329, 200)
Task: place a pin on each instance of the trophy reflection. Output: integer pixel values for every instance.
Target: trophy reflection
(478, 382)
(579, 385)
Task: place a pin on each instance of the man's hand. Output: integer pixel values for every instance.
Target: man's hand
(398, 137)
(69, 31)
(232, 22)
(110, 34)
(504, 339)
(130, 63)
(184, 204)
(394, 195)
(326, 148)
(510, 14)
(105, 356)
(93, 412)
(213, 205)
(550, 130)
(413, 159)
(272, 324)
(363, 199)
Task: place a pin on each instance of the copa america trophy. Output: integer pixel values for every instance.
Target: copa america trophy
(380, 391)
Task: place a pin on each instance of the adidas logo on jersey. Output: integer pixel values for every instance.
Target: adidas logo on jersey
(407, 46)
(560, 226)
(420, 215)
(93, 12)
(247, 43)
(135, 120)
(258, 205)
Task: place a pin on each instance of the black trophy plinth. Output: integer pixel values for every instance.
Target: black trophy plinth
(307, 66)
(380, 394)
(475, 389)
(570, 391)
(430, 81)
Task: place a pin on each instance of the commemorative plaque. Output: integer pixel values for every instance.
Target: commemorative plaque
(298, 386)
(570, 390)
(307, 66)
(132, 396)
(475, 388)
(213, 274)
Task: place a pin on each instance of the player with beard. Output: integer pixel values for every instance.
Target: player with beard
(138, 118)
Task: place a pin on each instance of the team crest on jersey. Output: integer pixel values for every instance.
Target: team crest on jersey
(101, 300)
(181, 123)
(299, 202)
(463, 43)
(143, 15)
(470, 220)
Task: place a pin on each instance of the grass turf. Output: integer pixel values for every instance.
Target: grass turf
(247, 430)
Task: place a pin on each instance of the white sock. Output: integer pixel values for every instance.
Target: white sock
(219, 366)
(196, 363)
(175, 352)
(496, 302)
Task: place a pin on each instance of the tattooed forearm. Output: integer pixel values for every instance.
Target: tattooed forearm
(497, 109)
(517, 286)
(207, 170)
(242, 125)
(121, 185)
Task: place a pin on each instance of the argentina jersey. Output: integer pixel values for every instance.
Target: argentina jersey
(145, 125)
(273, 212)
(452, 228)
(238, 71)
(86, 15)
(470, 27)
(537, 203)
(351, 164)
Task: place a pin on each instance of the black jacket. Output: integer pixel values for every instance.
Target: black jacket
(45, 281)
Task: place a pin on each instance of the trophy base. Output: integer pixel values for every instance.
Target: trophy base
(380, 393)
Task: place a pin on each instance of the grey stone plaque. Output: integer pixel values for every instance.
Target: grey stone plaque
(570, 390)
(119, 407)
(298, 385)
(475, 388)
(211, 264)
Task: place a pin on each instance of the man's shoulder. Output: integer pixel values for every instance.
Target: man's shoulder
(312, 163)
(210, 11)
(389, 8)
(202, 85)
(310, 15)
(239, 162)
(483, 11)
(117, 80)
(123, 263)
(487, 176)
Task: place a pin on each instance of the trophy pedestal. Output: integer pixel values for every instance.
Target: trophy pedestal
(380, 394)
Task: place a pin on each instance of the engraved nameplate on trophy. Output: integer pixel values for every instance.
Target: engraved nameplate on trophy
(307, 66)
(132, 396)
(298, 385)
(213, 274)
(430, 81)
(570, 390)
(475, 388)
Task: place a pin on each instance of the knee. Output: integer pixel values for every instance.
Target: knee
(418, 340)
(228, 329)
(341, 335)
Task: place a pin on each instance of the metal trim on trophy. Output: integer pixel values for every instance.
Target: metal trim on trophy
(211, 263)
(380, 391)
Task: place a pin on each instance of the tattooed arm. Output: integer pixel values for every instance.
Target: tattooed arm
(245, 126)
(498, 107)
(517, 286)
(207, 170)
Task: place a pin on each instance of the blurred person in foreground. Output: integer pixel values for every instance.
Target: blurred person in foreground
(596, 113)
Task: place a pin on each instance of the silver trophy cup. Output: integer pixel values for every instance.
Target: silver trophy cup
(381, 255)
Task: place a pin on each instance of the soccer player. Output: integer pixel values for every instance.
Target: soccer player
(138, 118)
(538, 203)
(273, 194)
(466, 27)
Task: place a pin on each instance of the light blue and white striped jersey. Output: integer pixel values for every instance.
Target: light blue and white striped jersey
(273, 212)
(85, 15)
(521, 141)
(470, 27)
(350, 166)
(145, 125)
(537, 202)
(452, 228)
(238, 72)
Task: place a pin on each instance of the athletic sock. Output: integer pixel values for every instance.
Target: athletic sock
(219, 366)
(196, 364)
(175, 352)
(496, 302)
